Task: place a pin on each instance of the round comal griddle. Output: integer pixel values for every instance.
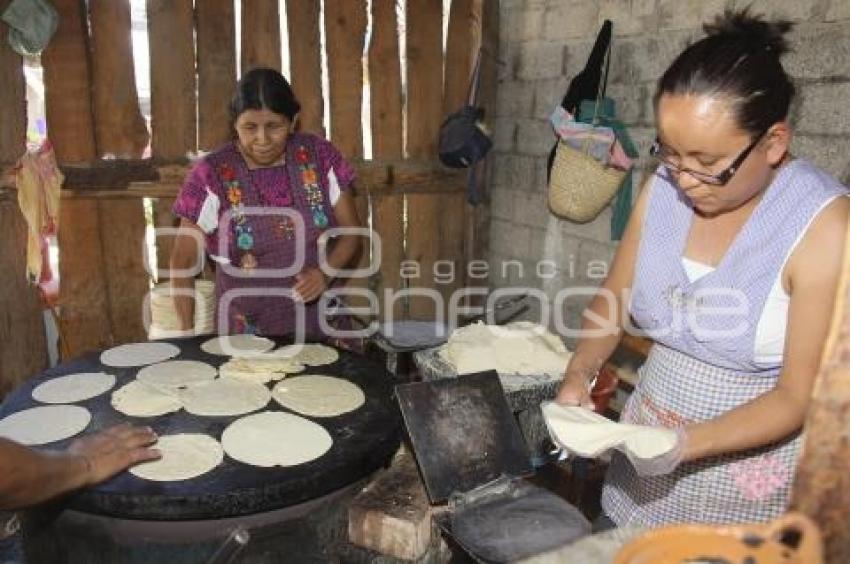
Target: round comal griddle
(363, 441)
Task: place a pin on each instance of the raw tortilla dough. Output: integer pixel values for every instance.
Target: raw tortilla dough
(138, 354)
(237, 345)
(46, 424)
(517, 348)
(311, 354)
(138, 399)
(175, 374)
(225, 396)
(589, 434)
(184, 456)
(318, 396)
(274, 438)
(260, 370)
(74, 387)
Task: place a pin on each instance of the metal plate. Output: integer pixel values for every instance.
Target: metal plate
(463, 433)
(364, 440)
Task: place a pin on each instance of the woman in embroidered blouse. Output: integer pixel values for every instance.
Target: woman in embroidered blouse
(730, 263)
(261, 203)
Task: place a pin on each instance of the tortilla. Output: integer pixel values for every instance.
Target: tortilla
(73, 387)
(225, 397)
(138, 354)
(175, 374)
(318, 396)
(259, 370)
(45, 424)
(311, 354)
(184, 456)
(236, 345)
(274, 438)
(138, 399)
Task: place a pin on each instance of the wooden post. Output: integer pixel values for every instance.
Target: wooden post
(22, 344)
(305, 63)
(216, 48)
(387, 144)
(460, 45)
(345, 32)
(822, 484)
(23, 351)
(13, 105)
(260, 35)
(120, 129)
(67, 86)
(424, 76)
(172, 64)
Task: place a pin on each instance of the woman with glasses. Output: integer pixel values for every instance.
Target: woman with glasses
(730, 264)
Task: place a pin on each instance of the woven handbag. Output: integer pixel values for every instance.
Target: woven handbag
(580, 186)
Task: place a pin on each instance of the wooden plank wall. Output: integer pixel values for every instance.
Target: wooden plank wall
(419, 212)
(306, 62)
(22, 345)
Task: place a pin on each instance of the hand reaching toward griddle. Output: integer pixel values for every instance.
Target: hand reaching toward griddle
(29, 476)
(108, 452)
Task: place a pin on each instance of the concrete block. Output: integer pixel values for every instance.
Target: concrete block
(534, 137)
(821, 109)
(504, 134)
(629, 17)
(820, 51)
(547, 96)
(575, 57)
(531, 209)
(539, 59)
(574, 19)
(515, 98)
(598, 230)
(523, 24)
(631, 102)
(594, 260)
(502, 204)
(687, 14)
(793, 10)
(829, 153)
(838, 10)
(645, 58)
(509, 239)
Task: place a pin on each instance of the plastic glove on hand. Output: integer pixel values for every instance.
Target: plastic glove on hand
(664, 463)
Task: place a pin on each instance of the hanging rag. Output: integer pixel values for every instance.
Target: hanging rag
(32, 24)
(38, 180)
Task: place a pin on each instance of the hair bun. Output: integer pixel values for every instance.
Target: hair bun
(751, 29)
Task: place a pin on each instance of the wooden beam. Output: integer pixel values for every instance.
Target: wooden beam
(216, 52)
(305, 63)
(13, 106)
(260, 35)
(424, 76)
(67, 86)
(460, 47)
(122, 227)
(172, 74)
(83, 304)
(345, 33)
(822, 485)
(385, 82)
(120, 129)
(23, 349)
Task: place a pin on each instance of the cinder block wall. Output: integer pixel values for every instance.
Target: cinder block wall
(544, 43)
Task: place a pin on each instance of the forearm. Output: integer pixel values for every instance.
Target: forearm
(600, 335)
(764, 420)
(28, 477)
(345, 249)
(184, 301)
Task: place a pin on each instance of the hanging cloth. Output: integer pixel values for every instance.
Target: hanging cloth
(38, 180)
(32, 24)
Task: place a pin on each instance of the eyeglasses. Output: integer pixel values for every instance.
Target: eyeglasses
(720, 179)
